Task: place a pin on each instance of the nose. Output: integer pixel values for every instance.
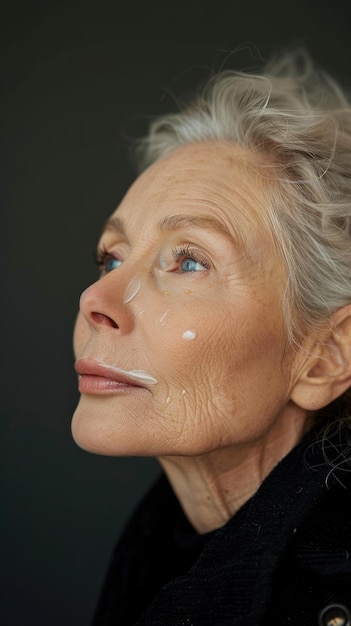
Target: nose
(102, 304)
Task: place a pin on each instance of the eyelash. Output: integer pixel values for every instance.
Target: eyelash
(185, 251)
(101, 256)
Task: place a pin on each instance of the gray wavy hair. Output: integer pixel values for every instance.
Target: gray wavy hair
(300, 118)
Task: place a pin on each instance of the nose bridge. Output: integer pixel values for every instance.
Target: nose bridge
(108, 298)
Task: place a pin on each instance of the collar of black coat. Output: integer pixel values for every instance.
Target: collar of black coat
(231, 581)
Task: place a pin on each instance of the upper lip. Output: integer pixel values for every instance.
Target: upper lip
(90, 367)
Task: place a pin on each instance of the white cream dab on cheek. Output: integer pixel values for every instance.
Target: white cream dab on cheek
(132, 289)
(189, 334)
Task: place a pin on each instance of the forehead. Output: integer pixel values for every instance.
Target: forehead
(211, 178)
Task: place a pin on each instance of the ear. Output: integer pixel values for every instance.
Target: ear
(326, 369)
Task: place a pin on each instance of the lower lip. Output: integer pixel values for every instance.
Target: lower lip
(99, 384)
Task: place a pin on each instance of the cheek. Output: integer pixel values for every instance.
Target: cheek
(177, 332)
(219, 357)
(180, 349)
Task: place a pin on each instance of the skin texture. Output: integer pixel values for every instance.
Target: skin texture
(199, 310)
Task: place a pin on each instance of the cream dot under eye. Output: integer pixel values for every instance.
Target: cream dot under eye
(189, 334)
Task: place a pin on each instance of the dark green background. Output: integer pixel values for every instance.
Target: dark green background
(75, 79)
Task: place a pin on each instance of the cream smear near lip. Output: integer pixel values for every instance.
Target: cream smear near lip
(139, 375)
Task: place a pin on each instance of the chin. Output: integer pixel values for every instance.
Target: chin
(88, 436)
(109, 433)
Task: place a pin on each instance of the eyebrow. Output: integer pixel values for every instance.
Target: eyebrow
(177, 222)
(115, 224)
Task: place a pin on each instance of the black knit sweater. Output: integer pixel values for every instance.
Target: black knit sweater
(283, 558)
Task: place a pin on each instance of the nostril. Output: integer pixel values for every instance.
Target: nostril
(102, 319)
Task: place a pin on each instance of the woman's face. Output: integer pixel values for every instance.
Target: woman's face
(190, 294)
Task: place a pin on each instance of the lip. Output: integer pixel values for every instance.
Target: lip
(97, 377)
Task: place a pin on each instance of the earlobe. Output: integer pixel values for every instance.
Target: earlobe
(326, 374)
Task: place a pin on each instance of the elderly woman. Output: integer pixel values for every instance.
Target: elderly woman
(218, 339)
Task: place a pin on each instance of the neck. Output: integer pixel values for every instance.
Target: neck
(212, 487)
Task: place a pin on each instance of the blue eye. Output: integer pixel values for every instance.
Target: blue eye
(189, 260)
(111, 264)
(191, 265)
(106, 262)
